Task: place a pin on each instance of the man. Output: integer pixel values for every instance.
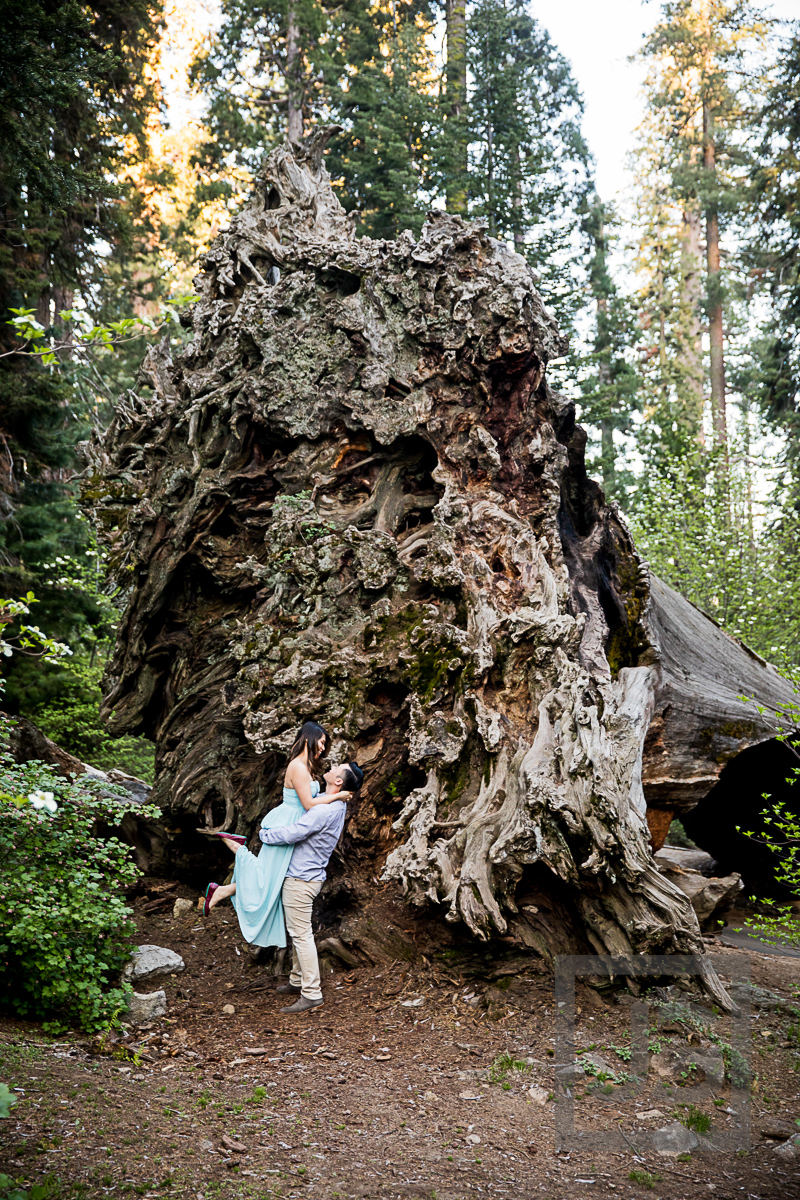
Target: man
(314, 838)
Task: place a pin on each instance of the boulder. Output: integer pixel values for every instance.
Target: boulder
(711, 1064)
(750, 995)
(779, 1131)
(790, 1150)
(149, 961)
(182, 908)
(145, 1008)
(595, 1064)
(675, 1139)
(570, 1073)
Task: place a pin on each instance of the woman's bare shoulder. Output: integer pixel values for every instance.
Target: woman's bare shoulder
(296, 772)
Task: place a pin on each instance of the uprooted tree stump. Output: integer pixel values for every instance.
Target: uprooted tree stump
(354, 497)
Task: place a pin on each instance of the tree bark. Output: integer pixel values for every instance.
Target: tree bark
(714, 288)
(456, 96)
(294, 89)
(691, 293)
(354, 497)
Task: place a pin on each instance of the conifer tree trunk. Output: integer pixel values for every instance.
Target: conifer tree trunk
(691, 289)
(714, 289)
(608, 455)
(294, 114)
(456, 95)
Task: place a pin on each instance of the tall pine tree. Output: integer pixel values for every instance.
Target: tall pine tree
(609, 383)
(700, 94)
(529, 164)
(75, 95)
(774, 250)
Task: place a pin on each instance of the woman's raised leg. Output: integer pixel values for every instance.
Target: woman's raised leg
(221, 893)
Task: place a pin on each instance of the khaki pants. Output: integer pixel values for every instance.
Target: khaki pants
(298, 900)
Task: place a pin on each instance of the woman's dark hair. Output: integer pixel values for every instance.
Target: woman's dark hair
(310, 736)
(352, 777)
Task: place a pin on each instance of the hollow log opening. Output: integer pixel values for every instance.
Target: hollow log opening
(736, 802)
(354, 497)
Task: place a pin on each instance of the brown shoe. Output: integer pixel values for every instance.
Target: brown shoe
(288, 989)
(302, 1005)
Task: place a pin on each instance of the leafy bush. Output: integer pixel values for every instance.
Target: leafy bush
(780, 925)
(48, 1190)
(694, 1118)
(64, 925)
(72, 720)
(7, 1100)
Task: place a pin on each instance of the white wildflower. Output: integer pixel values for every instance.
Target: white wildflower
(41, 799)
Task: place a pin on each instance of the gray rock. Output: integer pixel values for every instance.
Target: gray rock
(757, 997)
(182, 908)
(712, 1066)
(148, 961)
(145, 1008)
(598, 1064)
(789, 1150)
(675, 1139)
(781, 1131)
(570, 1073)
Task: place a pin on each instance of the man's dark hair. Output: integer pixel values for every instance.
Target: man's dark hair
(352, 777)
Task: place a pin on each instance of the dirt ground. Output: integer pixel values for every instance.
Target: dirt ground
(432, 1080)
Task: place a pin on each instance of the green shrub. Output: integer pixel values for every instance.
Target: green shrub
(646, 1178)
(71, 718)
(7, 1100)
(694, 1118)
(64, 924)
(48, 1190)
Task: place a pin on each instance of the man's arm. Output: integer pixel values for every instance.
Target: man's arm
(298, 831)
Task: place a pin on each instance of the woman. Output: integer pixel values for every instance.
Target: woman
(257, 879)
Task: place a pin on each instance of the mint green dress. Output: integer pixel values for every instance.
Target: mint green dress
(259, 878)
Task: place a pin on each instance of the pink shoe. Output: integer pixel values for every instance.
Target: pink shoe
(239, 838)
(212, 887)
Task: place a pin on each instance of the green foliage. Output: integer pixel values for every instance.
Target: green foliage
(773, 254)
(18, 637)
(696, 525)
(504, 1063)
(7, 1100)
(381, 161)
(677, 836)
(78, 337)
(60, 691)
(76, 96)
(780, 833)
(71, 718)
(64, 925)
(693, 1118)
(647, 1179)
(609, 383)
(49, 1189)
(373, 70)
(529, 172)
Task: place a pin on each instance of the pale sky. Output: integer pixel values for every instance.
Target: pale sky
(598, 37)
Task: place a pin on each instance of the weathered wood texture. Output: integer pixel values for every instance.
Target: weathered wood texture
(354, 497)
(699, 722)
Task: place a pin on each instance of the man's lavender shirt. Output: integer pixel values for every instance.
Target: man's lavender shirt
(314, 838)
